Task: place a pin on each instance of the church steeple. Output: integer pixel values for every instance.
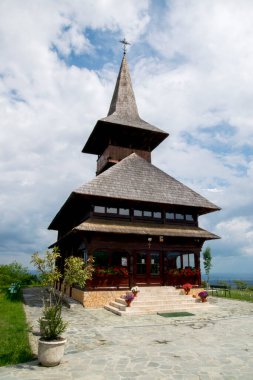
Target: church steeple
(123, 104)
(122, 131)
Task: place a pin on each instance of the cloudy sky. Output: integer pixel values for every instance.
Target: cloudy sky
(191, 64)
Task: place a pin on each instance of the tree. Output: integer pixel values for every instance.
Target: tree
(77, 272)
(15, 272)
(46, 266)
(207, 256)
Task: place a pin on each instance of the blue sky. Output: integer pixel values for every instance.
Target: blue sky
(191, 66)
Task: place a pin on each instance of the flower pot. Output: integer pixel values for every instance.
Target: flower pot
(128, 302)
(203, 299)
(50, 353)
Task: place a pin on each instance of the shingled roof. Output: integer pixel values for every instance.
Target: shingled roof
(123, 108)
(135, 179)
(123, 112)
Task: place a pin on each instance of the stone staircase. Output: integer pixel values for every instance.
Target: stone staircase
(151, 300)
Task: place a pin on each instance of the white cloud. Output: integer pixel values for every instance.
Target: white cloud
(213, 39)
(196, 80)
(237, 233)
(47, 110)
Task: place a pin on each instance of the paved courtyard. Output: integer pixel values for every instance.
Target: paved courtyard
(216, 343)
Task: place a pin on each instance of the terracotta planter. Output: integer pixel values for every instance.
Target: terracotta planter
(128, 303)
(203, 299)
(50, 353)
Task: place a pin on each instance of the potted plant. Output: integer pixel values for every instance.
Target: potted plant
(135, 290)
(51, 343)
(203, 295)
(129, 297)
(187, 287)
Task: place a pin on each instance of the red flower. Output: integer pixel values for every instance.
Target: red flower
(187, 286)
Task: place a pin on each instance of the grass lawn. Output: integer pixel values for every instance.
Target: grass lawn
(14, 343)
(243, 295)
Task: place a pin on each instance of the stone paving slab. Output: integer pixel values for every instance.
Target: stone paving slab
(214, 344)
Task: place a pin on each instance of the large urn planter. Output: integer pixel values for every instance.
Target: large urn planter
(50, 352)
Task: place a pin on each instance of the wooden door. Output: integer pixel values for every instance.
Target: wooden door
(148, 270)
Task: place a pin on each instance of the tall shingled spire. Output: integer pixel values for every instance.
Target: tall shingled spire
(123, 104)
(123, 127)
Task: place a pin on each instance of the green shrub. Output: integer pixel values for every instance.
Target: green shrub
(15, 272)
(51, 323)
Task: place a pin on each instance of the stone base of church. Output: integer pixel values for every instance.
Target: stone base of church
(92, 298)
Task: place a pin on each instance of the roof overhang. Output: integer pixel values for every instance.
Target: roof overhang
(125, 135)
(141, 229)
(126, 227)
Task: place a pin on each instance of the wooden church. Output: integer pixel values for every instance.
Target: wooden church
(139, 224)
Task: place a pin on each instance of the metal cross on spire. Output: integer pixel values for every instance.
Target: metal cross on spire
(125, 43)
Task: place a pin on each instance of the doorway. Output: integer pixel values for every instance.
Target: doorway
(148, 269)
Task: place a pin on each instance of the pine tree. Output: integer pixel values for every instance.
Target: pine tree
(207, 256)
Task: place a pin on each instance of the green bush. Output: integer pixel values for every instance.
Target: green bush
(51, 323)
(15, 272)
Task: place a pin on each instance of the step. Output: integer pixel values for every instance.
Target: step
(156, 298)
(119, 306)
(154, 308)
(155, 303)
(151, 300)
(131, 311)
(113, 310)
(165, 291)
(160, 307)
